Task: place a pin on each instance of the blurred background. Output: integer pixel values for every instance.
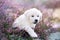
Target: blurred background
(47, 29)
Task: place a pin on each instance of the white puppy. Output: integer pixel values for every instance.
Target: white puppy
(28, 20)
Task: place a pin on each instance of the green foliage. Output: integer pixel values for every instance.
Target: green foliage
(15, 37)
(5, 25)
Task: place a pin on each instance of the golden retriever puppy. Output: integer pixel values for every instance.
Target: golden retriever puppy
(28, 20)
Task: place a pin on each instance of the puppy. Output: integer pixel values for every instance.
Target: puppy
(28, 20)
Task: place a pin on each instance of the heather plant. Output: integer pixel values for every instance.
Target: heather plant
(10, 10)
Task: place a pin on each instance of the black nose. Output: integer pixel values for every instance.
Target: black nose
(36, 20)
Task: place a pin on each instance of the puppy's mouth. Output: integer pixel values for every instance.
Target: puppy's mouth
(35, 22)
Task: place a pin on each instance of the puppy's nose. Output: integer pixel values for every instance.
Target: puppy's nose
(36, 20)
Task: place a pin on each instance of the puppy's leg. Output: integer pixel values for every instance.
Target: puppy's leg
(31, 32)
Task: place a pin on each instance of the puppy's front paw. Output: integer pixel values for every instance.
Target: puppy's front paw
(34, 35)
(31, 32)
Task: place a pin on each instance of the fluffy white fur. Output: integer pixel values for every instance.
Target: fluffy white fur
(27, 21)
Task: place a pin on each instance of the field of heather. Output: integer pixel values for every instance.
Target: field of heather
(47, 29)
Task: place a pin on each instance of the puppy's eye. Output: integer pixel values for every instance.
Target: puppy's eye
(37, 15)
(32, 15)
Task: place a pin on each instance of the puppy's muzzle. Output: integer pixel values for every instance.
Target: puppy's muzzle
(35, 21)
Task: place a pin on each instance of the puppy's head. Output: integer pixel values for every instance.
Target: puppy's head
(33, 15)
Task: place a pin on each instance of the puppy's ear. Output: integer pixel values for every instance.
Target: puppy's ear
(41, 16)
(26, 13)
